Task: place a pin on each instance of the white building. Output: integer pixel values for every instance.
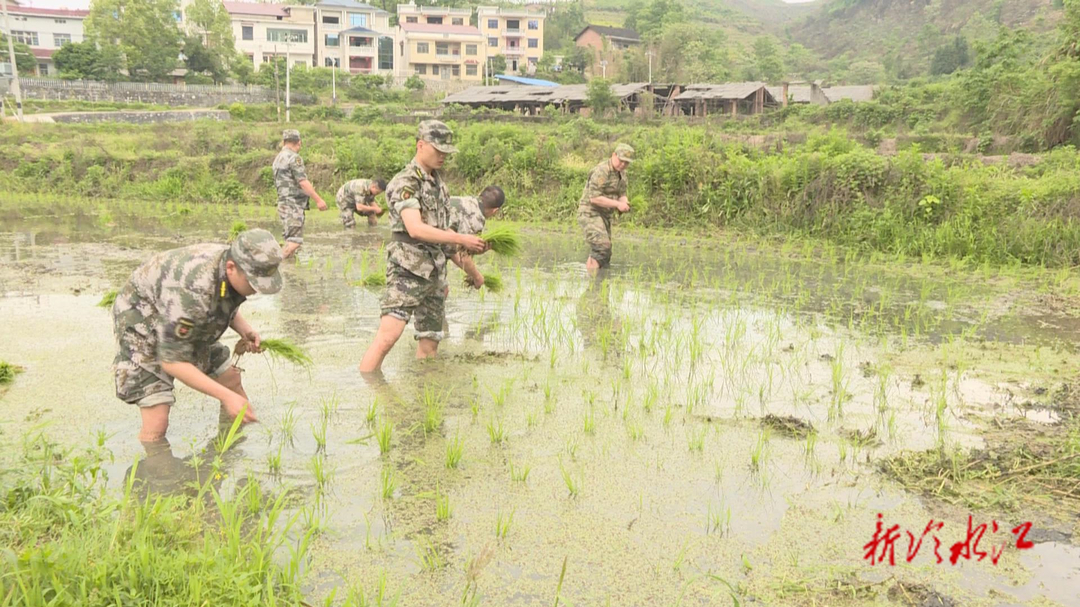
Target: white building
(45, 30)
(354, 36)
(264, 31)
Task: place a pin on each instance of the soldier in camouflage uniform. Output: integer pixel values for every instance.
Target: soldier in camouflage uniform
(415, 260)
(468, 215)
(170, 315)
(604, 192)
(358, 197)
(294, 191)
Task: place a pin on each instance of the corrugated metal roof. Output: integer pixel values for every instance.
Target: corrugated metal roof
(526, 81)
(540, 95)
(729, 90)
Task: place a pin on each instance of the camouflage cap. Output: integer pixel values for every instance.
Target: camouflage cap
(437, 134)
(258, 255)
(624, 152)
(290, 135)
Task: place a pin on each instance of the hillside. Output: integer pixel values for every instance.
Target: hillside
(879, 29)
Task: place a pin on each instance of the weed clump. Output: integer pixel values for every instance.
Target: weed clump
(108, 299)
(8, 372)
(503, 240)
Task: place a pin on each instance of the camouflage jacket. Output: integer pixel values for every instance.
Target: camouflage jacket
(412, 188)
(466, 217)
(288, 173)
(354, 192)
(603, 181)
(182, 298)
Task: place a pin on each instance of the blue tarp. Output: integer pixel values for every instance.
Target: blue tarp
(527, 81)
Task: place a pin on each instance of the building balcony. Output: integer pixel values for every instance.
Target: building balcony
(515, 32)
(514, 51)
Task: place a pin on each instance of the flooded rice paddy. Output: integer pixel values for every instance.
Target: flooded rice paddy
(704, 424)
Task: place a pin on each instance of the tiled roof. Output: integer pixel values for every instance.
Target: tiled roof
(729, 90)
(624, 33)
(350, 4)
(51, 12)
(42, 53)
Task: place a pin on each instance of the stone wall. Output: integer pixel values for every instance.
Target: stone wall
(193, 95)
(136, 117)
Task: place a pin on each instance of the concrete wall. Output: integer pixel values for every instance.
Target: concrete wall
(140, 117)
(164, 94)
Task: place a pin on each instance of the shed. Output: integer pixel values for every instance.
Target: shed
(732, 98)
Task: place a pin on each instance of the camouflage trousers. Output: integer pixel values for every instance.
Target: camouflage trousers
(410, 296)
(139, 378)
(597, 229)
(292, 221)
(348, 214)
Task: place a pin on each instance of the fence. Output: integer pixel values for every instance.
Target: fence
(150, 92)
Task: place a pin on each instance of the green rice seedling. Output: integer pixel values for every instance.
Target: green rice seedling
(760, 451)
(286, 350)
(321, 471)
(442, 505)
(384, 433)
(718, 521)
(319, 433)
(455, 448)
(273, 462)
(348, 267)
(652, 395)
(669, 412)
(328, 407)
(372, 411)
(634, 429)
(375, 279)
(562, 576)
(696, 440)
(519, 474)
(588, 422)
(493, 282)
(474, 407)
(496, 431)
(236, 229)
(502, 240)
(811, 445)
(433, 403)
(8, 372)
(108, 299)
(430, 559)
(503, 523)
(573, 485)
(571, 448)
(388, 482)
(549, 400)
(531, 418)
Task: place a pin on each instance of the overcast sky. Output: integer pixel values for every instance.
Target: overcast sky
(86, 3)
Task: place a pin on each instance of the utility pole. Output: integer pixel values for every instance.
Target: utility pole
(603, 68)
(649, 55)
(277, 87)
(333, 82)
(288, 97)
(14, 68)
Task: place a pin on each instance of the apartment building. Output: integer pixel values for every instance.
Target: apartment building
(438, 43)
(264, 31)
(354, 36)
(517, 34)
(45, 30)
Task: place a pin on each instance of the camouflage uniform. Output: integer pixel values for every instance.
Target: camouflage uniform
(357, 191)
(177, 305)
(605, 181)
(292, 201)
(466, 215)
(415, 270)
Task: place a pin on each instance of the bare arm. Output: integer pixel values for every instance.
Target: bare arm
(419, 230)
(309, 189)
(195, 379)
(604, 202)
(466, 263)
(247, 333)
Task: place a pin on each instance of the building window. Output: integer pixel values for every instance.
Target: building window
(534, 43)
(493, 42)
(358, 42)
(534, 24)
(470, 49)
(457, 21)
(357, 20)
(435, 70)
(422, 48)
(43, 69)
(421, 69)
(251, 59)
(247, 32)
(332, 40)
(434, 20)
(442, 48)
(456, 69)
(386, 53)
(332, 62)
(29, 38)
(331, 19)
(276, 35)
(60, 40)
(268, 58)
(59, 20)
(513, 26)
(410, 20)
(493, 24)
(470, 69)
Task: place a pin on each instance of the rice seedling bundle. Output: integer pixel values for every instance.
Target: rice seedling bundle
(503, 240)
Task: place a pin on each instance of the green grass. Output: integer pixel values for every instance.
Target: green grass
(8, 372)
(108, 299)
(236, 229)
(503, 240)
(493, 282)
(371, 280)
(455, 448)
(286, 350)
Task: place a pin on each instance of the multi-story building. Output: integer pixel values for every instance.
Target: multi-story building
(354, 36)
(264, 31)
(45, 30)
(439, 44)
(608, 45)
(517, 34)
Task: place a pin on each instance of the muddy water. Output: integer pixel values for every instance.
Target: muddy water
(644, 390)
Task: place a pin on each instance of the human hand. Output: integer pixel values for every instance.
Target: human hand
(475, 281)
(235, 403)
(473, 244)
(319, 202)
(622, 207)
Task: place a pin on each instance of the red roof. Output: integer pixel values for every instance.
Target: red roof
(42, 53)
(435, 28)
(52, 12)
(256, 8)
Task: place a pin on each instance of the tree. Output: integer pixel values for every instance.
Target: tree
(951, 57)
(144, 30)
(650, 20)
(495, 65)
(25, 61)
(201, 60)
(85, 61)
(688, 53)
(209, 20)
(799, 62)
(600, 97)
(579, 58)
(767, 63)
(414, 83)
(866, 72)
(560, 27)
